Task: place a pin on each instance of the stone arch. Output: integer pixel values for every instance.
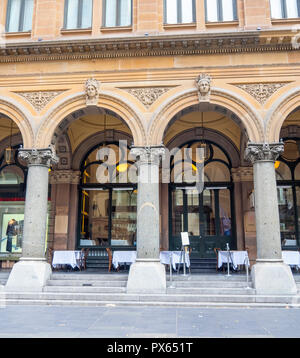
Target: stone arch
(240, 111)
(278, 113)
(108, 100)
(92, 141)
(12, 110)
(211, 135)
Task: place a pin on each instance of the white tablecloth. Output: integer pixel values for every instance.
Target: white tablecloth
(66, 257)
(235, 258)
(174, 256)
(291, 258)
(127, 257)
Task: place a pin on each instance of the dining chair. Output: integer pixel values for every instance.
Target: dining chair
(83, 257)
(109, 252)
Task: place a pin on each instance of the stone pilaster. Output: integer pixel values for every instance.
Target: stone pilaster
(147, 274)
(270, 275)
(32, 271)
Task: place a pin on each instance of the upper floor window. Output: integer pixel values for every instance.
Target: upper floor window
(117, 13)
(221, 10)
(179, 11)
(19, 15)
(78, 14)
(285, 9)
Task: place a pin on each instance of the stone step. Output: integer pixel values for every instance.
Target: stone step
(210, 291)
(84, 289)
(105, 298)
(149, 304)
(81, 282)
(215, 284)
(89, 276)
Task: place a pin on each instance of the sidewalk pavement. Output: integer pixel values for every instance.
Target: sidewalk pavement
(147, 322)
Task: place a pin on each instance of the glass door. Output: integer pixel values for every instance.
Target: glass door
(207, 217)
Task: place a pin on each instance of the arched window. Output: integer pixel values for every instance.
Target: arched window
(207, 215)
(108, 193)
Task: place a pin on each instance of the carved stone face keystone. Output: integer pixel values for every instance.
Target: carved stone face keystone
(92, 91)
(203, 83)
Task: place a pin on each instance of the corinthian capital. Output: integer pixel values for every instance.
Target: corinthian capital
(148, 155)
(45, 156)
(263, 151)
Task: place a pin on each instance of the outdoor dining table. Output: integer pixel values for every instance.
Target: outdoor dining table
(235, 258)
(166, 257)
(291, 258)
(66, 257)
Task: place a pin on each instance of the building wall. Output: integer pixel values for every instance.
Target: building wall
(147, 75)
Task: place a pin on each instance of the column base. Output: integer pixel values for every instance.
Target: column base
(147, 277)
(28, 275)
(273, 278)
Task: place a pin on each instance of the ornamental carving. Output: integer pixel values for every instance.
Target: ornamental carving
(65, 177)
(39, 99)
(148, 95)
(261, 91)
(92, 91)
(45, 157)
(148, 155)
(263, 151)
(203, 83)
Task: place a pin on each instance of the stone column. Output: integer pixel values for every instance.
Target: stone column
(269, 275)
(32, 271)
(147, 274)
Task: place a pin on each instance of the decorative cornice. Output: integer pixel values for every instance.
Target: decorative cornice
(261, 91)
(147, 95)
(135, 46)
(263, 151)
(44, 157)
(64, 177)
(39, 99)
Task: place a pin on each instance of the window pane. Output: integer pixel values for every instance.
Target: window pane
(276, 9)
(110, 13)
(11, 226)
(209, 222)
(187, 11)
(286, 213)
(28, 12)
(177, 212)
(212, 10)
(193, 212)
(171, 9)
(225, 212)
(14, 16)
(125, 13)
(283, 172)
(72, 14)
(94, 217)
(123, 217)
(291, 8)
(227, 9)
(87, 11)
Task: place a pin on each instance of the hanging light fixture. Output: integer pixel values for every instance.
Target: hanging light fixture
(9, 151)
(277, 163)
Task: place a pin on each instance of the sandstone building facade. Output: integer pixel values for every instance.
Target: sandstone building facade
(142, 77)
